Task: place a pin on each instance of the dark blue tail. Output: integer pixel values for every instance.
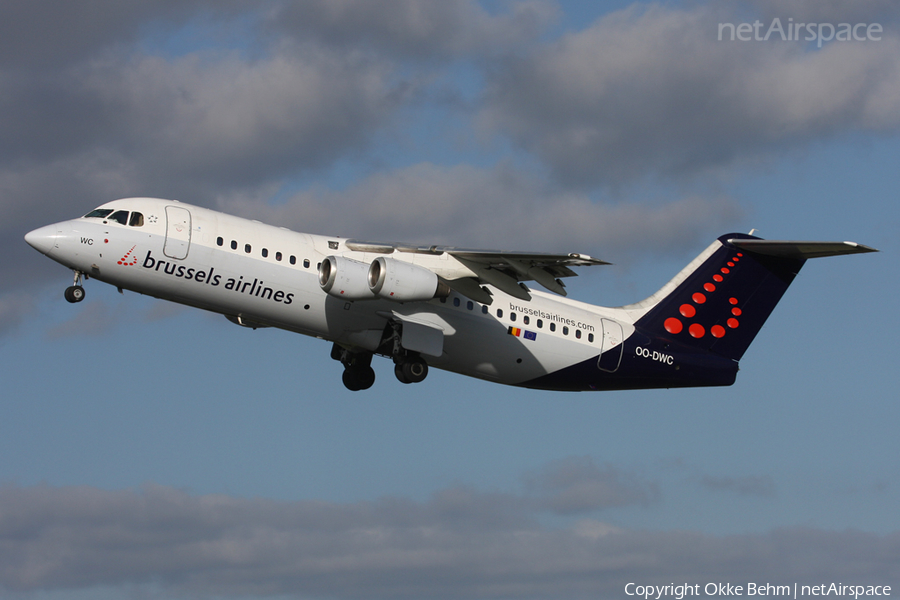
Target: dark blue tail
(693, 331)
(724, 301)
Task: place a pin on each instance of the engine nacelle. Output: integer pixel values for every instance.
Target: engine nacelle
(404, 282)
(344, 278)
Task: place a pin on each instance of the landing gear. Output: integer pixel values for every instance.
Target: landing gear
(409, 366)
(358, 372)
(411, 369)
(75, 293)
(358, 378)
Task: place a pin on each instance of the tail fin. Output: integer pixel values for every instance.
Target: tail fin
(721, 300)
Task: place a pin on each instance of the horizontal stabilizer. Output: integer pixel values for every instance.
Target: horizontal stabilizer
(804, 250)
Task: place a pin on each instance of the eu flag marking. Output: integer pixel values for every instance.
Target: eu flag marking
(530, 335)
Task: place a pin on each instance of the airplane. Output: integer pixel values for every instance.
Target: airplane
(462, 310)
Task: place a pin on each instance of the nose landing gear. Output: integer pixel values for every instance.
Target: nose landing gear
(75, 293)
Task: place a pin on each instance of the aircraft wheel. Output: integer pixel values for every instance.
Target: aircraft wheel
(401, 375)
(358, 378)
(74, 293)
(415, 369)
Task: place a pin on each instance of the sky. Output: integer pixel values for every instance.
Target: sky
(155, 451)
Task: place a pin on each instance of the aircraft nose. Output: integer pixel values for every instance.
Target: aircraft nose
(43, 239)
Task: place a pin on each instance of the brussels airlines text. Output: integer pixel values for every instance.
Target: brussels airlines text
(253, 288)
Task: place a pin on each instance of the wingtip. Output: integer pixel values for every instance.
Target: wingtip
(862, 247)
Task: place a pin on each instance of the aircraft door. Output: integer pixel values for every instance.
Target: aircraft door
(611, 346)
(178, 232)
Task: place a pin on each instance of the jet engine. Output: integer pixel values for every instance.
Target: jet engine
(344, 278)
(404, 282)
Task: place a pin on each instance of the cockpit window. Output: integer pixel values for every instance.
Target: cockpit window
(98, 213)
(137, 220)
(120, 216)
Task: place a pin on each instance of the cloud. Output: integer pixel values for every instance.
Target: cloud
(649, 91)
(196, 118)
(450, 546)
(828, 11)
(411, 29)
(751, 485)
(15, 307)
(503, 206)
(47, 35)
(576, 485)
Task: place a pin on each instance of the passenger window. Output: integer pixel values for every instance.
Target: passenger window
(137, 220)
(578, 334)
(120, 217)
(552, 326)
(456, 302)
(98, 213)
(293, 260)
(247, 248)
(265, 252)
(470, 305)
(565, 330)
(540, 324)
(234, 244)
(219, 241)
(484, 309)
(499, 313)
(591, 338)
(526, 320)
(305, 263)
(512, 316)
(278, 256)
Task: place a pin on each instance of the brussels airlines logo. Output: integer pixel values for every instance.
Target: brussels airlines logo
(256, 288)
(128, 260)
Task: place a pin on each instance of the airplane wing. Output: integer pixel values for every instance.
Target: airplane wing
(499, 268)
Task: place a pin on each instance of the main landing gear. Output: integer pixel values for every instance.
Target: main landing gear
(75, 293)
(409, 367)
(358, 372)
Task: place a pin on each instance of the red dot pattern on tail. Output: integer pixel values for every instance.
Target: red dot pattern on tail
(674, 325)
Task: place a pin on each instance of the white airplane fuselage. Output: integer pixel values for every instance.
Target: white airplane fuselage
(259, 275)
(282, 290)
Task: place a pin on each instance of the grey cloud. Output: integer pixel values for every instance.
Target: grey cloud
(49, 34)
(92, 318)
(415, 29)
(15, 307)
(827, 11)
(750, 485)
(577, 485)
(186, 546)
(502, 206)
(650, 91)
(224, 118)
